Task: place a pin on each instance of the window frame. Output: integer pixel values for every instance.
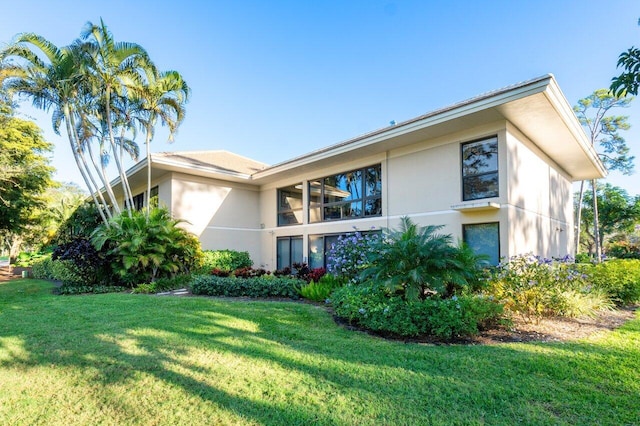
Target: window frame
(289, 238)
(281, 211)
(464, 178)
(497, 223)
(321, 205)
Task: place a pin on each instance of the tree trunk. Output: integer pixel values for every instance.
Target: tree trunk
(83, 173)
(596, 223)
(579, 218)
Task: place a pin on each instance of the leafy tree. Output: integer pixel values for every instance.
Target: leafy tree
(25, 173)
(603, 131)
(618, 212)
(419, 262)
(629, 80)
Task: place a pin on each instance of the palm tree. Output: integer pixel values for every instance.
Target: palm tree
(163, 99)
(115, 69)
(50, 77)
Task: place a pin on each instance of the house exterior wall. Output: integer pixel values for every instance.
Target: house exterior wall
(540, 201)
(223, 215)
(423, 181)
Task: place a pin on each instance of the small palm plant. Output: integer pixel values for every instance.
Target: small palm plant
(145, 249)
(419, 262)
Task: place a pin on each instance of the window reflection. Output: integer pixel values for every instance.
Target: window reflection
(347, 195)
(480, 169)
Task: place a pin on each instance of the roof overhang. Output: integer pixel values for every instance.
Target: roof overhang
(536, 107)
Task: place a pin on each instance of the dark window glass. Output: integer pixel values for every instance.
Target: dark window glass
(484, 238)
(289, 251)
(480, 169)
(138, 202)
(153, 197)
(348, 195)
(290, 205)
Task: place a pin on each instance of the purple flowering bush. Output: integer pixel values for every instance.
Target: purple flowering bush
(534, 287)
(349, 255)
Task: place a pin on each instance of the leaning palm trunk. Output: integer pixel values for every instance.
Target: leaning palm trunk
(116, 154)
(100, 170)
(83, 172)
(125, 183)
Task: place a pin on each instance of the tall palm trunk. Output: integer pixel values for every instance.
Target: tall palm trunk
(596, 223)
(83, 172)
(123, 177)
(148, 153)
(100, 170)
(579, 217)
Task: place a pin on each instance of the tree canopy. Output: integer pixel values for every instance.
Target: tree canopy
(25, 172)
(618, 212)
(629, 80)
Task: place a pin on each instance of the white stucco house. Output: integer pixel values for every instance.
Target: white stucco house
(496, 170)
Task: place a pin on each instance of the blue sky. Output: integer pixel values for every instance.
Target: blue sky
(275, 79)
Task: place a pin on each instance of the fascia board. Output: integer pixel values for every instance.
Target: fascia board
(453, 112)
(559, 102)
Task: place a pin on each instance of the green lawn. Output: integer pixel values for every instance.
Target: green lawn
(136, 359)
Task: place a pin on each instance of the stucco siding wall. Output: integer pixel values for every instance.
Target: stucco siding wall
(540, 201)
(224, 215)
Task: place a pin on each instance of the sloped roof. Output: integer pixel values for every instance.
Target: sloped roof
(537, 107)
(220, 160)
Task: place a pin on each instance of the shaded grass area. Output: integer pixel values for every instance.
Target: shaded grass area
(149, 360)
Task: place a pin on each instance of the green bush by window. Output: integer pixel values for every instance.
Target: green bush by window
(264, 286)
(620, 279)
(373, 308)
(225, 260)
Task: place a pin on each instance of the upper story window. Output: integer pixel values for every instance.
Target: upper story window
(348, 195)
(290, 205)
(480, 169)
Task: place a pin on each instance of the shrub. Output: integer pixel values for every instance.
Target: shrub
(349, 255)
(27, 259)
(90, 266)
(164, 284)
(319, 291)
(144, 249)
(620, 279)
(303, 272)
(264, 286)
(85, 289)
(373, 308)
(249, 272)
(43, 268)
(623, 250)
(417, 263)
(533, 287)
(225, 260)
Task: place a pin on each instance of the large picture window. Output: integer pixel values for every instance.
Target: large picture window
(480, 169)
(348, 195)
(290, 205)
(483, 238)
(289, 251)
